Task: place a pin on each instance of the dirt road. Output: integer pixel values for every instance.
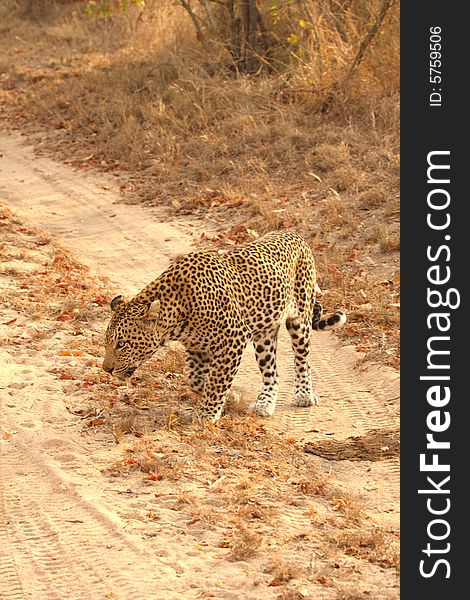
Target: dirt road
(58, 513)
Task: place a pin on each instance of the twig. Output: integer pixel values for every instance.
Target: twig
(194, 18)
(385, 7)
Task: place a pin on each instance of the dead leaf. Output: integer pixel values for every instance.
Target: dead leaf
(73, 521)
(153, 477)
(19, 385)
(66, 376)
(10, 322)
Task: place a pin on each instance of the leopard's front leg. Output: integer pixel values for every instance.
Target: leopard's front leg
(199, 365)
(265, 345)
(224, 366)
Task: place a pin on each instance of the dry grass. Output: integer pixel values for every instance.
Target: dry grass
(136, 95)
(263, 499)
(244, 545)
(375, 544)
(283, 571)
(66, 287)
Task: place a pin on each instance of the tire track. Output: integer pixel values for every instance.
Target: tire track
(88, 217)
(350, 405)
(66, 546)
(346, 398)
(133, 251)
(10, 584)
(58, 544)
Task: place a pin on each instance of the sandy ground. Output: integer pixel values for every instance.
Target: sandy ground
(71, 532)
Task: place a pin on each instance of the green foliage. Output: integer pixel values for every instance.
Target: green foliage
(110, 6)
(279, 15)
(279, 12)
(293, 39)
(331, 39)
(275, 12)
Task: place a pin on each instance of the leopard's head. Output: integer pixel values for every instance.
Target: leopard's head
(132, 336)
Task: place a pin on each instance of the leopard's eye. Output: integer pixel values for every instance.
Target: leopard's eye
(120, 344)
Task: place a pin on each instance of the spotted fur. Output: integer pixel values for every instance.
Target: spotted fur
(214, 304)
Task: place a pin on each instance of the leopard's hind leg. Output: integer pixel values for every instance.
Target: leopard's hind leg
(303, 311)
(299, 332)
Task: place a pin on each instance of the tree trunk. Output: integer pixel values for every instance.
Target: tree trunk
(249, 22)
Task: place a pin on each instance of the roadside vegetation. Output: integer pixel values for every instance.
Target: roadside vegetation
(292, 123)
(302, 535)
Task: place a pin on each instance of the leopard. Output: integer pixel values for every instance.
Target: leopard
(215, 303)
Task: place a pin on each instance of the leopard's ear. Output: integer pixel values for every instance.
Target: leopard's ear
(153, 311)
(115, 302)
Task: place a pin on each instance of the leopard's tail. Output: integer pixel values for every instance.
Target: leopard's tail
(337, 319)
